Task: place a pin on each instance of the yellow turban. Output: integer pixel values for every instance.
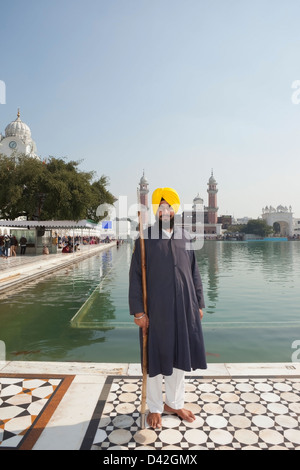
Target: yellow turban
(169, 195)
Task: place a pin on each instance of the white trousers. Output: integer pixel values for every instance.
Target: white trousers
(174, 387)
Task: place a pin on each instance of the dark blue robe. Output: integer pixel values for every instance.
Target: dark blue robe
(175, 294)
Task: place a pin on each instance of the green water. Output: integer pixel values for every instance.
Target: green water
(252, 293)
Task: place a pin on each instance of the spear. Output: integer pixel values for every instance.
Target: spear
(145, 335)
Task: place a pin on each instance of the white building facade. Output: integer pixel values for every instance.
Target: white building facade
(17, 139)
(281, 219)
(296, 228)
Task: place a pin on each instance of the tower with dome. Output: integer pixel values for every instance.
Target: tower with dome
(212, 209)
(17, 139)
(199, 220)
(143, 192)
(211, 225)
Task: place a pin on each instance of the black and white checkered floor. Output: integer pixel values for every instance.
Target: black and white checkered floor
(27, 402)
(231, 413)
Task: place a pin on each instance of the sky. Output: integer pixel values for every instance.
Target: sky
(174, 88)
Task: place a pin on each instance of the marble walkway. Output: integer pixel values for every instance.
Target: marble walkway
(91, 406)
(16, 271)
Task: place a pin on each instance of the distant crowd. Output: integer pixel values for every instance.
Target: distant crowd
(69, 244)
(9, 245)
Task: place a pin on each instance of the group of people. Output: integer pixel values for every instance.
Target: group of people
(70, 248)
(64, 240)
(9, 245)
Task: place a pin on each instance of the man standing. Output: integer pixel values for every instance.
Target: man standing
(175, 303)
(7, 245)
(13, 246)
(23, 244)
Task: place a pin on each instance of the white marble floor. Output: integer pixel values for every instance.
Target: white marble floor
(231, 413)
(236, 406)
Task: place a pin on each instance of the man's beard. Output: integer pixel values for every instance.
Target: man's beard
(166, 224)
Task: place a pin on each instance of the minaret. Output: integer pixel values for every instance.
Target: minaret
(143, 198)
(212, 208)
(197, 201)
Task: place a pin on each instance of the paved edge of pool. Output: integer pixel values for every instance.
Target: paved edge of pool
(44, 265)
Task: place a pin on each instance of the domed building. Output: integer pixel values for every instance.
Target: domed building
(143, 192)
(281, 219)
(17, 139)
(197, 219)
(211, 226)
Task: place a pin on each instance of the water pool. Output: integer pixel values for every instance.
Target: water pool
(252, 293)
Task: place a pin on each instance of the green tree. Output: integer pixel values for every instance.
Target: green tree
(20, 182)
(100, 195)
(258, 227)
(66, 191)
(236, 228)
(55, 189)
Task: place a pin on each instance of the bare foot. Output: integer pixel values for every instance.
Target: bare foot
(183, 413)
(154, 420)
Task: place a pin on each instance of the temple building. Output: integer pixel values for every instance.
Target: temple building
(198, 219)
(17, 139)
(203, 220)
(211, 225)
(281, 219)
(143, 192)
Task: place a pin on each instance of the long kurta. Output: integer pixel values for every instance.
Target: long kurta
(174, 295)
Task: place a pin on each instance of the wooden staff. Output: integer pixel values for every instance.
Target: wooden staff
(145, 336)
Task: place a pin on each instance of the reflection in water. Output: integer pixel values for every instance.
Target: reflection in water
(98, 311)
(35, 320)
(252, 296)
(244, 270)
(208, 259)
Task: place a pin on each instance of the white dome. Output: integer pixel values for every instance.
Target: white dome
(212, 178)
(19, 129)
(198, 198)
(143, 179)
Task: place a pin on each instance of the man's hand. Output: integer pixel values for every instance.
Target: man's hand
(201, 313)
(142, 320)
